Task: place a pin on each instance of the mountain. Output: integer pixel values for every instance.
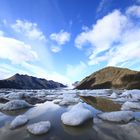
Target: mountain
(75, 83)
(28, 82)
(111, 78)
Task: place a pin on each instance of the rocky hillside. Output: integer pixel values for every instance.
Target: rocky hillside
(111, 77)
(28, 82)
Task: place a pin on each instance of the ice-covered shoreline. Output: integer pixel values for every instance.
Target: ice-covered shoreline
(55, 100)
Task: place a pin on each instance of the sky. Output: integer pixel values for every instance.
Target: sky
(67, 40)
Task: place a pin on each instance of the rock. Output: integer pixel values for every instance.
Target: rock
(18, 121)
(76, 116)
(14, 105)
(111, 78)
(39, 128)
(117, 116)
(131, 106)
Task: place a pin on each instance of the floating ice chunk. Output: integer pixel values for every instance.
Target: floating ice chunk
(122, 99)
(117, 116)
(39, 128)
(131, 106)
(51, 97)
(57, 101)
(41, 109)
(14, 95)
(18, 121)
(64, 103)
(69, 99)
(131, 94)
(77, 115)
(114, 95)
(14, 105)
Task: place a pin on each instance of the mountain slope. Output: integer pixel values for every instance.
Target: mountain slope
(111, 77)
(28, 82)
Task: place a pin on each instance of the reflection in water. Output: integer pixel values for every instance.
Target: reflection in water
(108, 131)
(102, 104)
(15, 112)
(59, 131)
(78, 130)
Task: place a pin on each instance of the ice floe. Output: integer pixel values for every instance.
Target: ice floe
(67, 99)
(40, 109)
(14, 105)
(131, 94)
(18, 121)
(131, 106)
(14, 95)
(117, 116)
(39, 128)
(77, 115)
(114, 95)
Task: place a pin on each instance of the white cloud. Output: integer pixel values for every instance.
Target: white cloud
(29, 29)
(4, 73)
(101, 5)
(127, 52)
(55, 49)
(133, 10)
(1, 33)
(8, 70)
(43, 73)
(61, 38)
(138, 1)
(105, 32)
(114, 39)
(16, 51)
(75, 70)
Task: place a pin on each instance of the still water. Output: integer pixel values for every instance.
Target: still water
(90, 130)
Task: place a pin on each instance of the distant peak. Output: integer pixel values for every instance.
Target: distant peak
(17, 74)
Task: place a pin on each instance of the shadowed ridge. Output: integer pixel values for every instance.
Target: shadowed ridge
(18, 81)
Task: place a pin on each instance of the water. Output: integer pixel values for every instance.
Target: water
(58, 131)
(48, 111)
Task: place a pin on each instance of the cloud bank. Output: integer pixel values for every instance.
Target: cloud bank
(114, 39)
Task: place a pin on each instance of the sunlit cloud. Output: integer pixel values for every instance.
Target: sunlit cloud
(75, 70)
(114, 39)
(101, 5)
(133, 10)
(61, 38)
(1, 33)
(44, 73)
(16, 51)
(28, 29)
(55, 48)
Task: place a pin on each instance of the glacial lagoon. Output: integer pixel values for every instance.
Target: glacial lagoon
(56, 102)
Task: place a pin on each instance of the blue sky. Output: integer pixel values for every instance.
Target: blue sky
(66, 40)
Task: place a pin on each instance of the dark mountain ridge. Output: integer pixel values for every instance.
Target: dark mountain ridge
(18, 81)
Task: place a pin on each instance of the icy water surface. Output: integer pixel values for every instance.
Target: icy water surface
(49, 111)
